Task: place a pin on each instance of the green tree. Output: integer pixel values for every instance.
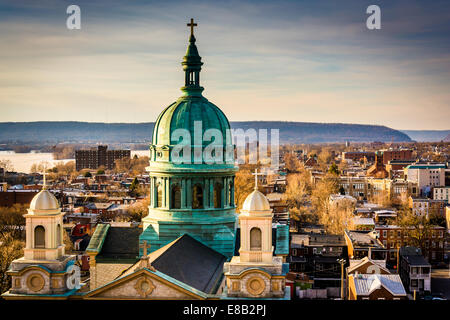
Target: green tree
(87, 174)
(334, 169)
(134, 187)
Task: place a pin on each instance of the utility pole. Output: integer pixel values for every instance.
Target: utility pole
(342, 262)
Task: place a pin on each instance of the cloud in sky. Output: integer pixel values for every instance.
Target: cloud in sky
(285, 60)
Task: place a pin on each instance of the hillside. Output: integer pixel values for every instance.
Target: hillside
(290, 132)
(427, 135)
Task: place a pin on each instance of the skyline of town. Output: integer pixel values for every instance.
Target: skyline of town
(199, 208)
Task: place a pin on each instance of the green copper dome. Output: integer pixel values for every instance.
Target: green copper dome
(191, 171)
(191, 107)
(183, 114)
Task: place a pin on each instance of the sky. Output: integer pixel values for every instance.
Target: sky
(308, 61)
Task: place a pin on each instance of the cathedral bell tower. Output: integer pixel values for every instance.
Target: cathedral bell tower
(256, 273)
(45, 269)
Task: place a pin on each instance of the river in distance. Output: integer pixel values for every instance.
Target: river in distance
(22, 162)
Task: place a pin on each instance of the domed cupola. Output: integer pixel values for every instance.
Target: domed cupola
(256, 202)
(192, 168)
(193, 114)
(44, 203)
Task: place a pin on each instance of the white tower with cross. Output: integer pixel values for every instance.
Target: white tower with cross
(255, 272)
(44, 227)
(255, 221)
(45, 267)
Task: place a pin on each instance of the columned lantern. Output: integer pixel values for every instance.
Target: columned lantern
(192, 168)
(45, 268)
(256, 272)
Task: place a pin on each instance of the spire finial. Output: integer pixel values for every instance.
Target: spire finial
(192, 25)
(192, 65)
(256, 174)
(45, 174)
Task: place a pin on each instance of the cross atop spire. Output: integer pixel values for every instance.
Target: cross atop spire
(256, 174)
(192, 25)
(45, 174)
(192, 65)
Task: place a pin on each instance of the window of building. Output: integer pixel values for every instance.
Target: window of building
(217, 195)
(255, 239)
(159, 196)
(39, 237)
(176, 197)
(58, 235)
(197, 197)
(230, 193)
(384, 233)
(414, 283)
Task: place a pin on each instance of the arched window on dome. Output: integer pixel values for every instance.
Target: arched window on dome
(58, 235)
(176, 197)
(197, 197)
(159, 196)
(217, 195)
(255, 239)
(39, 237)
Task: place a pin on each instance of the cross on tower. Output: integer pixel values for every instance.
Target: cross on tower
(44, 175)
(256, 174)
(144, 246)
(192, 25)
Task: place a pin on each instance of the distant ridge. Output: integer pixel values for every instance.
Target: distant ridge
(290, 132)
(428, 135)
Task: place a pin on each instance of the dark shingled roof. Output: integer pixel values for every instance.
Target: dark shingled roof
(121, 243)
(191, 262)
(415, 260)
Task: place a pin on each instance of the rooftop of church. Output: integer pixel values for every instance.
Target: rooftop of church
(189, 261)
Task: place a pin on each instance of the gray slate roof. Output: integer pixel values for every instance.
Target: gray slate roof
(190, 261)
(121, 243)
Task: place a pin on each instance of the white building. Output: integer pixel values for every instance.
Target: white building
(441, 193)
(426, 175)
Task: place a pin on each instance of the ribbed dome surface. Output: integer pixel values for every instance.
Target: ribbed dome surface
(183, 114)
(256, 201)
(44, 200)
